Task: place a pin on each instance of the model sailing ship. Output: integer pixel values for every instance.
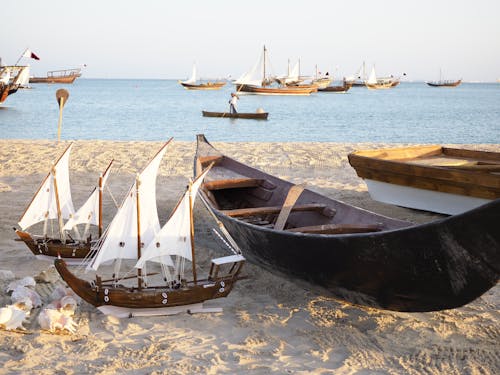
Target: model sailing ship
(134, 234)
(53, 202)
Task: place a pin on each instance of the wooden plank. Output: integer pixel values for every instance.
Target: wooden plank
(206, 160)
(291, 198)
(233, 183)
(259, 211)
(337, 228)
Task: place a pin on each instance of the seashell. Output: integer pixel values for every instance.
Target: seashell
(12, 318)
(25, 281)
(20, 292)
(54, 320)
(61, 291)
(24, 304)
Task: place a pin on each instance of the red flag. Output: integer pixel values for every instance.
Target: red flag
(33, 56)
(28, 53)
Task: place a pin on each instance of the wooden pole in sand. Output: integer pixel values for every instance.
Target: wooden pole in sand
(62, 97)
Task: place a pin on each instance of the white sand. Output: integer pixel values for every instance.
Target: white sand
(269, 324)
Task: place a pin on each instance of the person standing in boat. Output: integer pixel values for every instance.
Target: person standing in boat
(233, 102)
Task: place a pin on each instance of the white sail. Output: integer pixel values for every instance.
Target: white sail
(120, 239)
(44, 203)
(23, 77)
(88, 213)
(5, 76)
(254, 76)
(192, 79)
(175, 236)
(372, 79)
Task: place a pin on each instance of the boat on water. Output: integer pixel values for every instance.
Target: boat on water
(372, 83)
(360, 256)
(443, 82)
(432, 178)
(257, 81)
(53, 202)
(193, 83)
(12, 78)
(134, 235)
(337, 88)
(244, 115)
(58, 76)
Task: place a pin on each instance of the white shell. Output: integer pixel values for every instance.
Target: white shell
(25, 281)
(12, 318)
(54, 320)
(21, 292)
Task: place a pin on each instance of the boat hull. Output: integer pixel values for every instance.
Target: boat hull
(203, 86)
(65, 79)
(434, 178)
(133, 299)
(445, 84)
(255, 116)
(403, 267)
(48, 248)
(287, 90)
(338, 89)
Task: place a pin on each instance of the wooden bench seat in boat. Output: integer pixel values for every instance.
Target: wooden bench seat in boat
(236, 183)
(337, 228)
(260, 211)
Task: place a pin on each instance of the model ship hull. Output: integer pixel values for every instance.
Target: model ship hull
(255, 116)
(360, 256)
(48, 248)
(127, 300)
(203, 86)
(432, 178)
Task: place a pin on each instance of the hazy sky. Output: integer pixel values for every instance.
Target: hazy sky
(162, 38)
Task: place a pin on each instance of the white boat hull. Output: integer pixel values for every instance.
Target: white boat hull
(421, 199)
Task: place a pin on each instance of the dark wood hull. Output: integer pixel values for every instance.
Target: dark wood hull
(339, 89)
(106, 294)
(403, 267)
(287, 90)
(255, 116)
(445, 83)
(203, 86)
(55, 248)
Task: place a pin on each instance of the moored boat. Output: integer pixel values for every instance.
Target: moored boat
(258, 82)
(337, 88)
(358, 255)
(244, 115)
(193, 83)
(12, 78)
(58, 76)
(134, 234)
(444, 83)
(433, 178)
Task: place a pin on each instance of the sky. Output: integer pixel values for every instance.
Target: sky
(161, 39)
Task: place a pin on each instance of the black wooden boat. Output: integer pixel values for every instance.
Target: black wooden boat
(361, 256)
(246, 115)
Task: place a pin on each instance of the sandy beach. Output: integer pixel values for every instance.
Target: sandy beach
(269, 324)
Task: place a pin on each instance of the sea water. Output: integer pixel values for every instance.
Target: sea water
(156, 110)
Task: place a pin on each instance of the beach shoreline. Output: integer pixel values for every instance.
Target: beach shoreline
(270, 324)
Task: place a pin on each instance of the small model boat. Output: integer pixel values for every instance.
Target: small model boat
(247, 115)
(135, 234)
(433, 178)
(53, 201)
(360, 256)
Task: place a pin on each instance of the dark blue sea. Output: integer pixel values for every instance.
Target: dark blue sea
(159, 109)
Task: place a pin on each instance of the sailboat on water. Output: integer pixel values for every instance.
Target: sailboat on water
(258, 81)
(53, 202)
(444, 83)
(135, 235)
(194, 84)
(373, 83)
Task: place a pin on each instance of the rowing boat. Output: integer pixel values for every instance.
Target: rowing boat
(358, 255)
(255, 116)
